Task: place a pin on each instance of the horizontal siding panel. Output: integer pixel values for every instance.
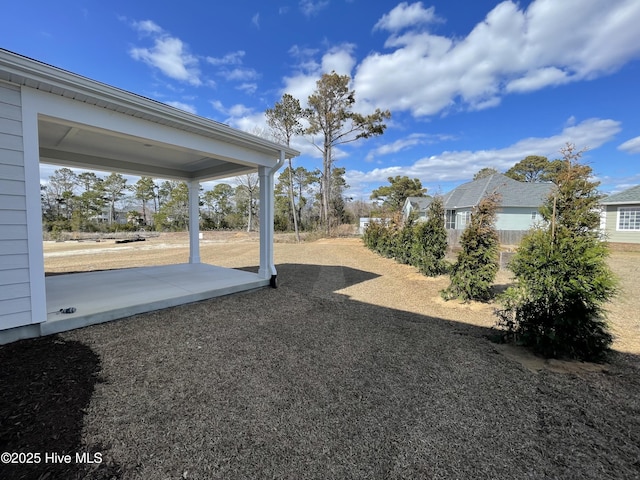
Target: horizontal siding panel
(621, 236)
(15, 305)
(19, 290)
(13, 247)
(11, 112)
(13, 232)
(11, 157)
(11, 142)
(14, 262)
(12, 187)
(13, 217)
(12, 202)
(15, 320)
(10, 126)
(10, 95)
(11, 277)
(12, 172)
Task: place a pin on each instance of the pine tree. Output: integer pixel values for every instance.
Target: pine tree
(563, 280)
(475, 270)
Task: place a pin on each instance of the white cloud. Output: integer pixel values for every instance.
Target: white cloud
(451, 166)
(147, 26)
(240, 74)
(402, 144)
(405, 15)
(233, 58)
(513, 50)
(255, 20)
(183, 106)
(339, 59)
(168, 54)
(248, 88)
(631, 146)
(310, 8)
(302, 83)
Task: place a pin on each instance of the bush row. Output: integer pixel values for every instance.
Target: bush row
(420, 244)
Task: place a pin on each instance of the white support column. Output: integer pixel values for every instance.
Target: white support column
(31, 150)
(194, 221)
(267, 267)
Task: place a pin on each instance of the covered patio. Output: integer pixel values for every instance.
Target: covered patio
(60, 118)
(102, 296)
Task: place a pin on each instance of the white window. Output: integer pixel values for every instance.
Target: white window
(629, 218)
(535, 216)
(450, 219)
(465, 218)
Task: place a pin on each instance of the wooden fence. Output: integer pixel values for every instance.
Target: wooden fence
(507, 237)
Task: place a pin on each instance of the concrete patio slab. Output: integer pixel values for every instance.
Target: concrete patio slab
(103, 296)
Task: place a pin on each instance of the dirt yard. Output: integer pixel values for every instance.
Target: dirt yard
(395, 286)
(353, 368)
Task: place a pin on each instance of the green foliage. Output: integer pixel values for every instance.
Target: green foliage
(476, 267)
(485, 172)
(420, 244)
(557, 305)
(535, 168)
(430, 241)
(563, 280)
(394, 195)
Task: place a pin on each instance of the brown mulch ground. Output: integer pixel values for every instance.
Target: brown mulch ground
(352, 368)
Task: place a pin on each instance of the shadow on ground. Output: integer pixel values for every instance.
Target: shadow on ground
(46, 385)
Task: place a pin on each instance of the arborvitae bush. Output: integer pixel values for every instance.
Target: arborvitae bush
(429, 245)
(404, 241)
(563, 280)
(477, 264)
(420, 244)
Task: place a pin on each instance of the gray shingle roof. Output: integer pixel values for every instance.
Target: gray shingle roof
(419, 203)
(630, 195)
(514, 193)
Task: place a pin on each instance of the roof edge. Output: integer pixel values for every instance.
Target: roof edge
(22, 68)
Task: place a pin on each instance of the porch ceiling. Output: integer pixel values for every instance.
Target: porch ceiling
(80, 146)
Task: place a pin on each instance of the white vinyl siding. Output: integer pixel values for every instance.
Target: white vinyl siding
(15, 296)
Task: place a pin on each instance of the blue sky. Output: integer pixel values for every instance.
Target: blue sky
(469, 84)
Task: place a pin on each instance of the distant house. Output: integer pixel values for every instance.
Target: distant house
(621, 216)
(519, 206)
(519, 203)
(416, 204)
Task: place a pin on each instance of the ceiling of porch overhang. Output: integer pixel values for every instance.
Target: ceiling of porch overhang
(79, 146)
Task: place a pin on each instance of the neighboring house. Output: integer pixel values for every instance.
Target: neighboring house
(621, 216)
(418, 205)
(518, 209)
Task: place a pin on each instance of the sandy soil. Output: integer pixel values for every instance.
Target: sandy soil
(395, 286)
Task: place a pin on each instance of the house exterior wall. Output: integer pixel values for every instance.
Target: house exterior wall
(517, 218)
(507, 218)
(15, 293)
(611, 226)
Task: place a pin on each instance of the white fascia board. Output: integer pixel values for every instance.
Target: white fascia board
(71, 112)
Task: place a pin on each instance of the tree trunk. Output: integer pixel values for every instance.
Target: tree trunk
(326, 190)
(293, 203)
